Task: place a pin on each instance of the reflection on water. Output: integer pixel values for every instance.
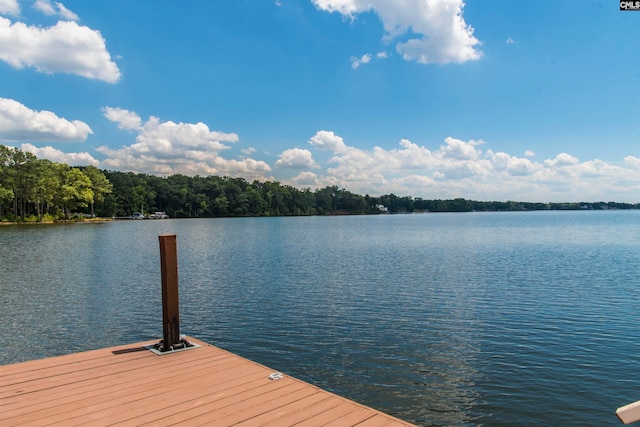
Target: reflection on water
(439, 319)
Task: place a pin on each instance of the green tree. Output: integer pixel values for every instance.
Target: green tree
(256, 203)
(272, 197)
(100, 185)
(6, 193)
(22, 177)
(47, 186)
(221, 205)
(140, 197)
(75, 189)
(325, 200)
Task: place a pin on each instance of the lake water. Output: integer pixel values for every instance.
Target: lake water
(494, 319)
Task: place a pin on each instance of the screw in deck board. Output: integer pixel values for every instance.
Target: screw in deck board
(170, 310)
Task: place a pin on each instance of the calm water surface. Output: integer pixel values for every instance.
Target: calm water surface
(493, 319)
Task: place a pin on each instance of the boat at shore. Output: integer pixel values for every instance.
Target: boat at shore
(140, 215)
(159, 215)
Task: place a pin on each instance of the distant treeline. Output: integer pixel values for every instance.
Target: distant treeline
(183, 196)
(32, 189)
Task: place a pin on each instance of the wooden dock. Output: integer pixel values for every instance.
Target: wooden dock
(130, 385)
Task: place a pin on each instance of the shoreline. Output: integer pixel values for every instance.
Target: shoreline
(102, 220)
(89, 221)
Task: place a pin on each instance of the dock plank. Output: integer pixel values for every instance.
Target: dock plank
(129, 385)
(102, 398)
(328, 403)
(119, 369)
(278, 414)
(129, 406)
(99, 385)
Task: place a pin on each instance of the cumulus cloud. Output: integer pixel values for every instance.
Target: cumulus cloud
(632, 162)
(52, 8)
(9, 7)
(512, 165)
(64, 48)
(460, 168)
(562, 159)
(296, 158)
(307, 180)
(327, 141)
(19, 123)
(125, 119)
(454, 160)
(55, 155)
(436, 29)
(410, 156)
(460, 150)
(509, 41)
(167, 147)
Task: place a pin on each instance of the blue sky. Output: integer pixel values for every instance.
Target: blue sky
(486, 100)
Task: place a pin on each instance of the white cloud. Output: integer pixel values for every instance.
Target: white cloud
(45, 6)
(562, 159)
(66, 13)
(20, 124)
(345, 7)
(125, 119)
(366, 58)
(367, 170)
(460, 150)
(9, 7)
(248, 151)
(52, 8)
(442, 34)
(512, 165)
(296, 158)
(166, 148)
(509, 41)
(529, 153)
(410, 156)
(306, 180)
(161, 138)
(64, 48)
(632, 162)
(356, 62)
(55, 155)
(460, 169)
(327, 141)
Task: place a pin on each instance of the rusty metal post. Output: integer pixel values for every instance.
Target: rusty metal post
(170, 309)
